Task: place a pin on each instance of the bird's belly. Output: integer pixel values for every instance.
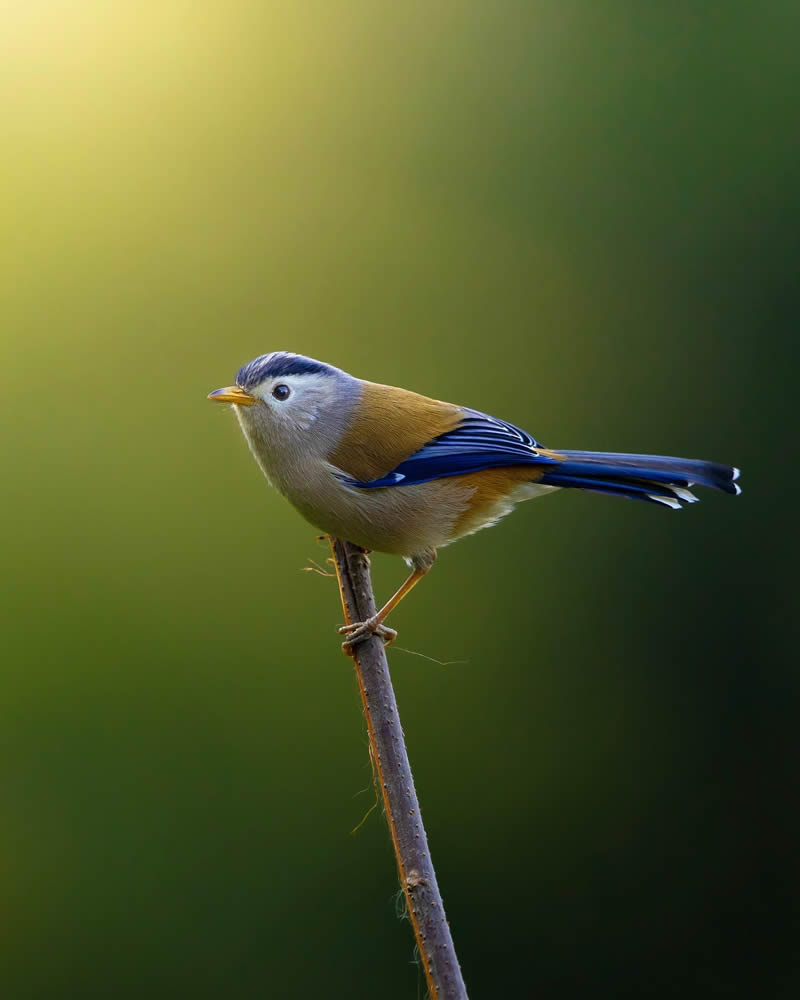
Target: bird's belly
(407, 520)
(400, 520)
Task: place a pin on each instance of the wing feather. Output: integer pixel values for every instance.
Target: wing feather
(478, 442)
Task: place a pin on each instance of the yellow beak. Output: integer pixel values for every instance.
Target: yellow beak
(232, 394)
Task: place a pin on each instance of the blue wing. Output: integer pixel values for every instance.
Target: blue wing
(479, 442)
(484, 442)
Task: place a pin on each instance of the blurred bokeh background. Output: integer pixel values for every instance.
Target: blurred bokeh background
(582, 217)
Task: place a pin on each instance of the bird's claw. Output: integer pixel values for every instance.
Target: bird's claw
(358, 631)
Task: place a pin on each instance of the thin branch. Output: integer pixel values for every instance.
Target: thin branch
(387, 744)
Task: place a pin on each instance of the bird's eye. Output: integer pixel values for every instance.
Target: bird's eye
(281, 392)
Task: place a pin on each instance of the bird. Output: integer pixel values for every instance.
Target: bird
(397, 472)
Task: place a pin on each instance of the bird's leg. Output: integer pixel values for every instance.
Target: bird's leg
(357, 631)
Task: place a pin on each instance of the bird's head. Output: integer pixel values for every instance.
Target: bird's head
(290, 400)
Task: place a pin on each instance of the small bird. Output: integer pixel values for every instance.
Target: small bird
(397, 472)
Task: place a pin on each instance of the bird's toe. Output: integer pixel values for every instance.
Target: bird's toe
(358, 631)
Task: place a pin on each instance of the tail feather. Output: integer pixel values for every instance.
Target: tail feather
(653, 478)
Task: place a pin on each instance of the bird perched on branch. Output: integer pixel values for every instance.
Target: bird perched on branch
(401, 473)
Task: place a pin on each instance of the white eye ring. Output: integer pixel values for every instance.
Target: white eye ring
(281, 392)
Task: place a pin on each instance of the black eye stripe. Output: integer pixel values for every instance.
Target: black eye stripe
(281, 392)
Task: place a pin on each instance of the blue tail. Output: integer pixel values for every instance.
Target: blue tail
(654, 478)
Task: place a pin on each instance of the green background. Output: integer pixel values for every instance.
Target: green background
(580, 216)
